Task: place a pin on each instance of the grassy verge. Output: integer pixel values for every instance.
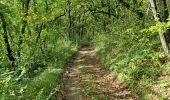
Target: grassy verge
(136, 64)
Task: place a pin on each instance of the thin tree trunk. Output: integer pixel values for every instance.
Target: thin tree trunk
(161, 33)
(165, 16)
(5, 36)
(25, 8)
(109, 9)
(39, 30)
(46, 6)
(128, 6)
(165, 11)
(70, 19)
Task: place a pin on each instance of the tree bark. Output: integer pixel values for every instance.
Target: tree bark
(5, 36)
(161, 33)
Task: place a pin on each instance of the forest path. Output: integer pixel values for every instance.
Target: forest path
(84, 79)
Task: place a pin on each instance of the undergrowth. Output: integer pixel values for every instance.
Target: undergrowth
(39, 82)
(132, 55)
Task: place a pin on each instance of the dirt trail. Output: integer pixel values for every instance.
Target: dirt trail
(84, 79)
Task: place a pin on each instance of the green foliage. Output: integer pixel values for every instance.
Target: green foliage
(131, 54)
(35, 81)
(159, 27)
(40, 43)
(42, 59)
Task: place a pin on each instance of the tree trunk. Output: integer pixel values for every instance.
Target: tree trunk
(70, 19)
(38, 31)
(5, 36)
(46, 6)
(25, 8)
(133, 9)
(164, 18)
(161, 33)
(165, 11)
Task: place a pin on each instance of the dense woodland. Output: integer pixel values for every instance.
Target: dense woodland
(38, 37)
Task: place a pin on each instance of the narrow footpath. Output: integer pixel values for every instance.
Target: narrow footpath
(85, 79)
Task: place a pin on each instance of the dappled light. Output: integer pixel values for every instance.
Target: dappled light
(84, 49)
(85, 72)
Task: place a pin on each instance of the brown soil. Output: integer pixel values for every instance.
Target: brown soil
(85, 79)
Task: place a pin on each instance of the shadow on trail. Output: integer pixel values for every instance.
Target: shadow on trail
(84, 79)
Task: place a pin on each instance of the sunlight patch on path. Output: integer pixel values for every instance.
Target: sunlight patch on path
(84, 79)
